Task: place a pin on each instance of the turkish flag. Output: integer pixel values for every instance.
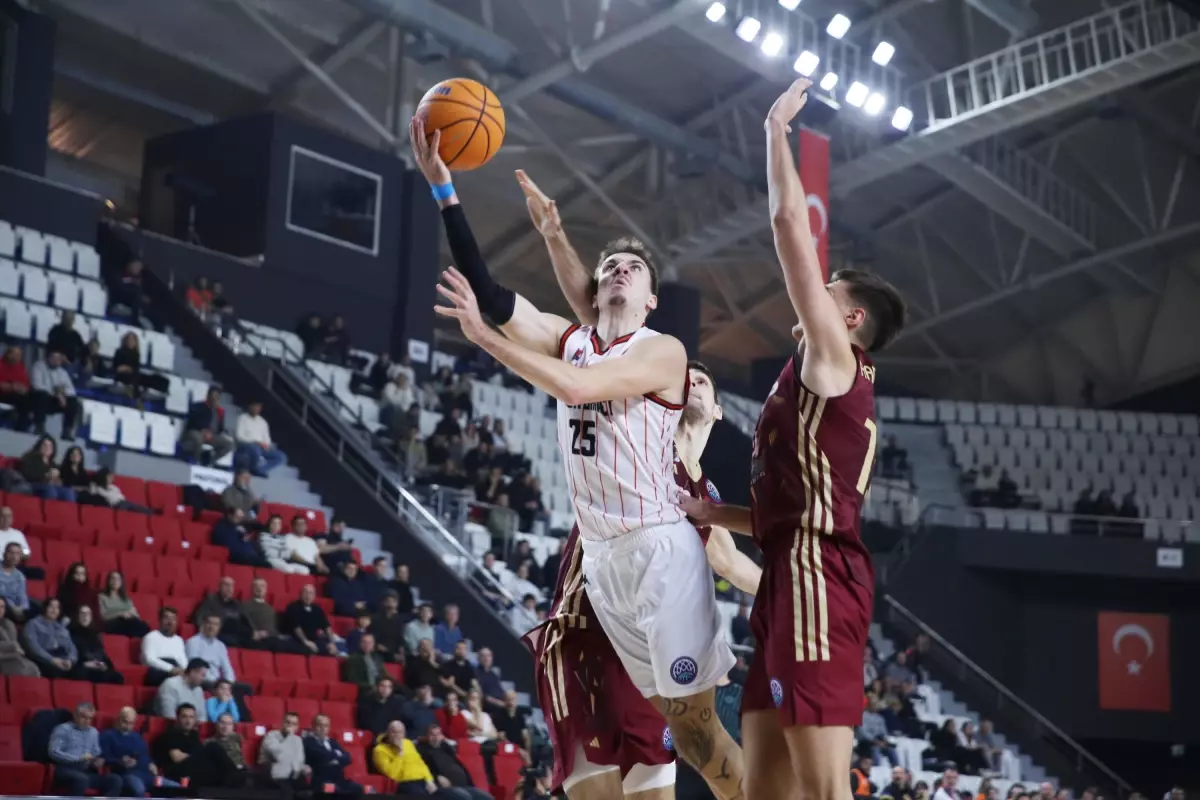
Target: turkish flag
(1134, 661)
(814, 174)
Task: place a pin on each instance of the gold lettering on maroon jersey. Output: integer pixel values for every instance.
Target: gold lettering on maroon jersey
(867, 370)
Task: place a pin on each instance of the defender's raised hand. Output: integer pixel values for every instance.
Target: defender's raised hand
(425, 151)
(463, 306)
(542, 210)
(788, 105)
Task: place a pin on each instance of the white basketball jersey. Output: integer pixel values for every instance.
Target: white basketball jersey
(619, 454)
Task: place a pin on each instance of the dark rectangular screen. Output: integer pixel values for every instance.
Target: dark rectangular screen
(334, 201)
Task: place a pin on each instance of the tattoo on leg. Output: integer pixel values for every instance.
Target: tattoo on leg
(673, 708)
(706, 714)
(694, 742)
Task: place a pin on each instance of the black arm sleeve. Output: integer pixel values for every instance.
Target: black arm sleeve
(497, 301)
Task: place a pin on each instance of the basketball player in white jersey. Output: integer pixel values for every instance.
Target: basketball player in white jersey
(621, 390)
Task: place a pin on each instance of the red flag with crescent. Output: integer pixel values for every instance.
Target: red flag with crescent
(814, 174)
(1134, 661)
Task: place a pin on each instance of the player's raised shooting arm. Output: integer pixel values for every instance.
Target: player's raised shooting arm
(730, 563)
(653, 366)
(573, 277)
(829, 361)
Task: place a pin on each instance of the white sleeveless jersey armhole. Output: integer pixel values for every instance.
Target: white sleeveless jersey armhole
(618, 454)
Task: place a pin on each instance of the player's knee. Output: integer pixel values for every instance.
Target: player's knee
(695, 741)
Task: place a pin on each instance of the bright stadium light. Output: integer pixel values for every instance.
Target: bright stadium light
(716, 12)
(806, 64)
(883, 53)
(856, 95)
(829, 81)
(902, 119)
(772, 43)
(838, 26)
(748, 28)
(875, 104)
(790, 5)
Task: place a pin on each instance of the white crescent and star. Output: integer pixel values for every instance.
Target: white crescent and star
(1138, 632)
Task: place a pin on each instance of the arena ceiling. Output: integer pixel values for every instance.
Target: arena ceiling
(1042, 224)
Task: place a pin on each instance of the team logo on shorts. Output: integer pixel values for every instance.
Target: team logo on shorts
(777, 692)
(668, 740)
(684, 670)
(713, 494)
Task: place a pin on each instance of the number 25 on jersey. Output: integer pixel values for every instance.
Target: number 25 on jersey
(583, 437)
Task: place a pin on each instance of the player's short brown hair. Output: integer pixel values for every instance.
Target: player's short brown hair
(626, 244)
(700, 366)
(886, 312)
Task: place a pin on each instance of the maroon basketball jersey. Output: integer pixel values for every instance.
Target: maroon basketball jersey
(812, 459)
(702, 489)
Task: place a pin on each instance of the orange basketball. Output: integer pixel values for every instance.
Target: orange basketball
(471, 120)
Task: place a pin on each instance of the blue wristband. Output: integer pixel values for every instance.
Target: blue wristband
(442, 191)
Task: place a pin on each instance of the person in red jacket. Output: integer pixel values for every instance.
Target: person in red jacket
(14, 384)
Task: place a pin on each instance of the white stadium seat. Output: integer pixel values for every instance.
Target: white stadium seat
(18, 322)
(94, 298)
(87, 261)
(35, 286)
(8, 240)
(66, 292)
(10, 279)
(62, 255)
(33, 246)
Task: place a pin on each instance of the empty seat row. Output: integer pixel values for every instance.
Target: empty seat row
(908, 409)
(968, 456)
(1041, 522)
(42, 249)
(38, 285)
(131, 429)
(1179, 446)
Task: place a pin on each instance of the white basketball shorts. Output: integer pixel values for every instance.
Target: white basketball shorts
(653, 594)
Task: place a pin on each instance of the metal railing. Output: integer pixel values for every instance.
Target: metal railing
(1014, 712)
(1153, 529)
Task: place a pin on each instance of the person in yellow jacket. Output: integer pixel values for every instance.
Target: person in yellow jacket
(396, 757)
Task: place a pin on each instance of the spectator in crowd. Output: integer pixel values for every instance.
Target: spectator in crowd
(163, 650)
(274, 545)
(53, 393)
(224, 760)
(222, 702)
(49, 645)
(414, 458)
(199, 296)
(872, 734)
(448, 772)
(308, 623)
(396, 757)
(729, 705)
(311, 332)
(739, 626)
(524, 617)
(388, 627)
(182, 689)
(949, 788)
(91, 365)
(522, 552)
(1129, 510)
(94, 663)
(512, 721)
(105, 488)
(551, 565)
(205, 425)
(328, 760)
(987, 482)
(13, 586)
(335, 343)
(175, 748)
(397, 398)
(423, 669)
(125, 296)
(897, 672)
(447, 473)
(239, 495)
(365, 666)
(334, 547)
(1105, 507)
(450, 424)
(451, 720)
(353, 592)
(900, 787)
(264, 623)
(870, 671)
(378, 375)
(282, 751)
(487, 678)
(12, 656)
(303, 549)
(894, 459)
(479, 722)
(78, 761)
(234, 627)
(127, 369)
(502, 521)
(254, 446)
(457, 674)
(1008, 494)
(447, 634)
(989, 745)
(403, 589)
(125, 752)
(478, 461)
(74, 475)
(460, 395)
(15, 386)
(117, 612)
(419, 628)
(519, 584)
(526, 498)
(381, 706)
(241, 543)
(207, 646)
(973, 760)
(75, 590)
(10, 535)
(860, 778)
(490, 569)
(37, 466)
(362, 626)
(470, 437)
(421, 712)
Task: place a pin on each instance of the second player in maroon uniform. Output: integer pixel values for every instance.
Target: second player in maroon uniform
(608, 739)
(814, 447)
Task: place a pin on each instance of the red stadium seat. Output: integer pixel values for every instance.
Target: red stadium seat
(242, 576)
(36, 590)
(136, 563)
(309, 690)
(294, 666)
(181, 548)
(276, 585)
(58, 512)
(155, 727)
(326, 604)
(172, 568)
(324, 669)
(165, 528)
(51, 533)
(195, 532)
(307, 709)
(272, 686)
(111, 699)
(151, 584)
(68, 694)
(341, 692)
(508, 768)
(267, 711)
(145, 698)
(10, 715)
(99, 518)
(187, 629)
(295, 583)
(133, 522)
(37, 551)
(214, 553)
(473, 762)
(22, 778)
(134, 489)
(118, 653)
(100, 561)
(204, 573)
(162, 495)
(258, 664)
(341, 715)
(395, 670)
(145, 543)
(27, 510)
(116, 540)
(186, 605)
(80, 536)
(135, 676)
(342, 625)
(10, 743)
(316, 520)
(147, 606)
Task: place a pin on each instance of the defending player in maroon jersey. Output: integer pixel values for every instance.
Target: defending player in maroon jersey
(592, 708)
(814, 447)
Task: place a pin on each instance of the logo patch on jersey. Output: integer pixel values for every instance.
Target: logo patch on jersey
(777, 692)
(668, 740)
(577, 357)
(684, 670)
(713, 494)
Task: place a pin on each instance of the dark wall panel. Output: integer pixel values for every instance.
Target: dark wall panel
(48, 207)
(28, 82)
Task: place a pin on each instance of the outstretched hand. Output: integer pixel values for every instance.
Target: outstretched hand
(425, 151)
(463, 306)
(698, 511)
(788, 105)
(542, 210)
